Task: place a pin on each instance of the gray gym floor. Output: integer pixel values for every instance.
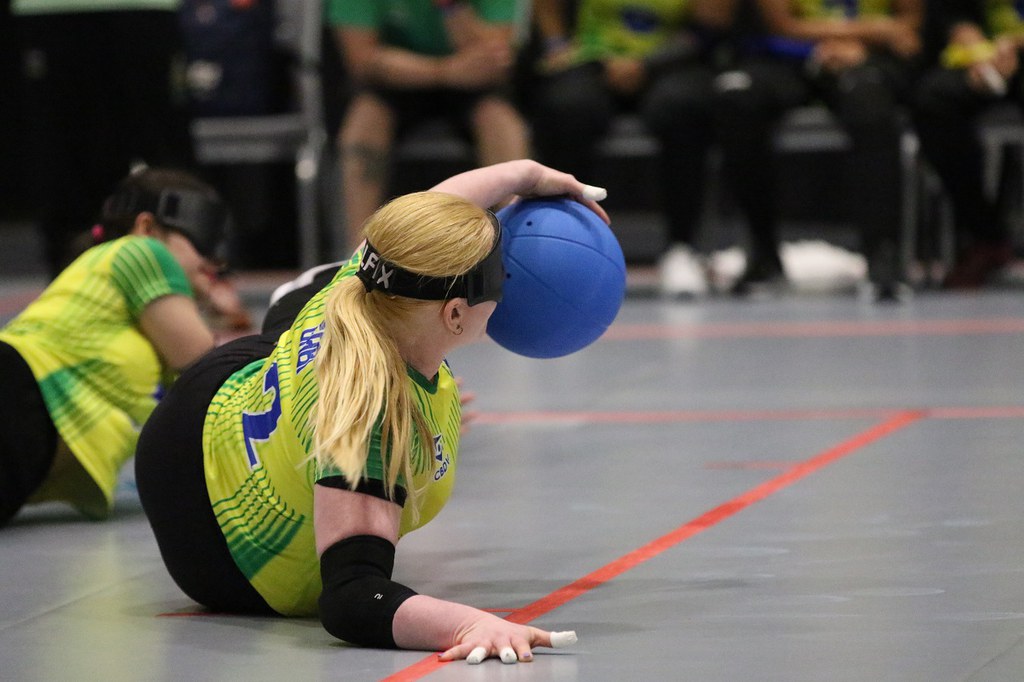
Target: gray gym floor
(799, 488)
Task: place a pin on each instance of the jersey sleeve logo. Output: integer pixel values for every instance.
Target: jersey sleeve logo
(309, 345)
(257, 427)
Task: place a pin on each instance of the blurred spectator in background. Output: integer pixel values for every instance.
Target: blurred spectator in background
(413, 60)
(860, 59)
(102, 91)
(651, 57)
(980, 67)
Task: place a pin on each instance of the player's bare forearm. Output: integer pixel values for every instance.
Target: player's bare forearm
(495, 184)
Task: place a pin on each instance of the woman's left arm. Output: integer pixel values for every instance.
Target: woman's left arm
(491, 185)
(176, 329)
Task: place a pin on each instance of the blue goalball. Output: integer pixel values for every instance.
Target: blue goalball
(565, 278)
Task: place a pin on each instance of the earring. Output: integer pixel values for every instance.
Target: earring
(458, 331)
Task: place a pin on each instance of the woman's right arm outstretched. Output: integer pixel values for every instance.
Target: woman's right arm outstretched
(491, 185)
(356, 535)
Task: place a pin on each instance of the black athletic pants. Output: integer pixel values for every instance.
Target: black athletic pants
(169, 467)
(28, 439)
(172, 483)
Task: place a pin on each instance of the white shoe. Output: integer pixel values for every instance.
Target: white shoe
(682, 272)
(819, 266)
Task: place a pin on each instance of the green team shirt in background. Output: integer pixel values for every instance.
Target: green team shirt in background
(627, 28)
(99, 375)
(415, 25)
(260, 469)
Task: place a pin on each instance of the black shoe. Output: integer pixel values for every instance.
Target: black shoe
(886, 275)
(885, 292)
(760, 278)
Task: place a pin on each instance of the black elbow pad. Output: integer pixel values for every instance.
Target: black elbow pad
(359, 599)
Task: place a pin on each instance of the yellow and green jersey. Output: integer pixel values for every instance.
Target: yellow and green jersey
(99, 375)
(627, 28)
(260, 468)
(415, 25)
(795, 48)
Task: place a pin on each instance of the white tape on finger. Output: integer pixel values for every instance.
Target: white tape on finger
(595, 193)
(477, 655)
(508, 655)
(560, 640)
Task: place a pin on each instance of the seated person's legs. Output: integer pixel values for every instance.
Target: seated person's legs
(365, 140)
(945, 113)
(675, 108)
(866, 100)
(500, 131)
(571, 111)
(748, 103)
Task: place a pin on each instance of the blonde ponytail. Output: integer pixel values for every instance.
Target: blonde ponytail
(362, 376)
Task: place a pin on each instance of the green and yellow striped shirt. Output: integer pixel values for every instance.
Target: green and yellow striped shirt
(99, 375)
(260, 472)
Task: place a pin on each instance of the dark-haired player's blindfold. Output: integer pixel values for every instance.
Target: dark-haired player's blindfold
(203, 220)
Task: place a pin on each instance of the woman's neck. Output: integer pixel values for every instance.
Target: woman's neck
(421, 346)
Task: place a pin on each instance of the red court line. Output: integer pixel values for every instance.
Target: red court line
(836, 328)
(710, 518)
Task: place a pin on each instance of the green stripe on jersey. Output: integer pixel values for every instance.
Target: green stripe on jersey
(97, 371)
(260, 468)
